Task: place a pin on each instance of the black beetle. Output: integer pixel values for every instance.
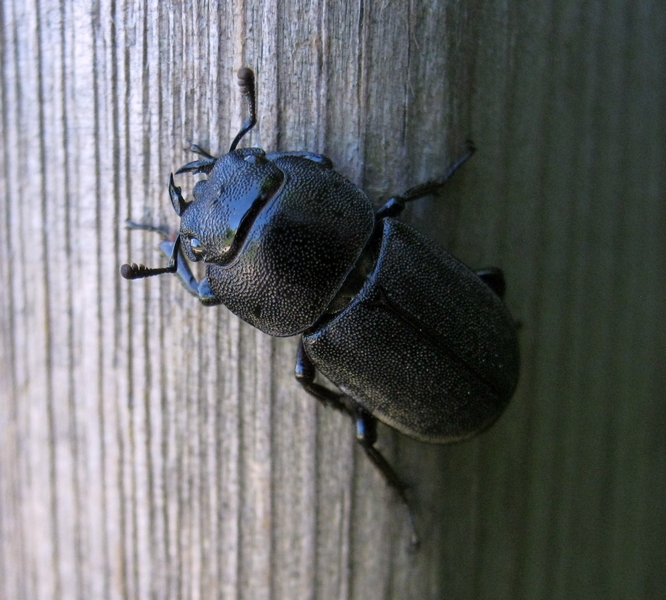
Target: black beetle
(410, 335)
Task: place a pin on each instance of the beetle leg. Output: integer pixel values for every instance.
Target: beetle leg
(305, 374)
(201, 152)
(200, 289)
(146, 227)
(396, 204)
(166, 246)
(494, 279)
(366, 427)
(183, 271)
(203, 165)
(423, 189)
(366, 434)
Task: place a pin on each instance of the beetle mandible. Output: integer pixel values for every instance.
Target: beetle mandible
(410, 335)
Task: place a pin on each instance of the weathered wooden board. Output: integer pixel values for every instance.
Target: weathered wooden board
(154, 448)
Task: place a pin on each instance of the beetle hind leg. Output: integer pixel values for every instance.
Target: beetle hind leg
(366, 435)
(366, 427)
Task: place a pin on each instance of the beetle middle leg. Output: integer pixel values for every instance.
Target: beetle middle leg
(396, 204)
(366, 427)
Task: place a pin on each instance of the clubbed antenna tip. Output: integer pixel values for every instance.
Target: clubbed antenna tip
(246, 80)
(135, 271)
(246, 85)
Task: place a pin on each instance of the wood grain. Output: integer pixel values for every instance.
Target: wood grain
(154, 448)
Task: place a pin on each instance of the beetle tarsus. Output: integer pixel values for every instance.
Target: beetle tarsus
(366, 435)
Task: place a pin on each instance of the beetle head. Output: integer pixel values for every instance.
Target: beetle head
(214, 225)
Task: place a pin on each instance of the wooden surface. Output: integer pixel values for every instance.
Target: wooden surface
(154, 448)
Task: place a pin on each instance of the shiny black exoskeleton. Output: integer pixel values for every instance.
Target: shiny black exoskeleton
(410, 335)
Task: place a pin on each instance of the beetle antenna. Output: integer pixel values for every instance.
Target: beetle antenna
(135, 271)
(246, 85)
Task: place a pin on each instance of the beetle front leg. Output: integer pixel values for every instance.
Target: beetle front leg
(366, 427)
(203, 165)
(200, 289)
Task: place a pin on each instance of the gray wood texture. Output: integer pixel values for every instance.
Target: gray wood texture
(154, 448)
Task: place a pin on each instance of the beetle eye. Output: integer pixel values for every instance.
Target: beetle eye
(196, 245)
